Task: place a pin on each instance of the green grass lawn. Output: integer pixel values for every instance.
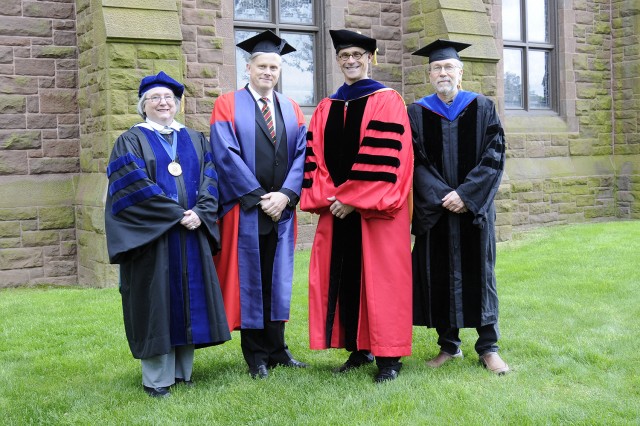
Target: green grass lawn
(570, 322)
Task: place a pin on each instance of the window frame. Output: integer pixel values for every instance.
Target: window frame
(525, 46)
(278, 27)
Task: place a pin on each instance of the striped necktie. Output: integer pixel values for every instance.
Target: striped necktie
(266, 113)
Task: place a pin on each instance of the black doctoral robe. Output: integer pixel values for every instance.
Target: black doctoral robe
(170, 291)
(454, 254)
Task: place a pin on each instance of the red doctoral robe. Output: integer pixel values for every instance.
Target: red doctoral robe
(374, 175)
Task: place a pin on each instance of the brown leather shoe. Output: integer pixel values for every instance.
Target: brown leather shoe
(443, 358)
(492, 362)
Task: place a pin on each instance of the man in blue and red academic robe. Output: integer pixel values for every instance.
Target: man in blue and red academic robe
(258, 141)
(459, 158)
(358, 176)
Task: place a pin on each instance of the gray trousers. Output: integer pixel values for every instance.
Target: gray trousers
(161, 371)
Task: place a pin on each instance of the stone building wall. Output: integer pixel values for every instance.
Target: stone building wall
(39, 142)
(63, 102)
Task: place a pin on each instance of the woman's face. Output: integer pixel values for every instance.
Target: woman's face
(160, 105)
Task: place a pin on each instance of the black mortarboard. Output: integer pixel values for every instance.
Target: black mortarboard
(266, 42)
(160, 80)
(345, 38)
(442, 49)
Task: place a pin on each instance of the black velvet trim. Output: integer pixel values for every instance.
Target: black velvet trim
(378, 160)
(385, 126)
(309, 136)
(432, 139)
(467, 141)
(490, 162)
(307, 183)
(310, 166)
(373, 176)
(382, 143)
(342, 138)
(309, 152)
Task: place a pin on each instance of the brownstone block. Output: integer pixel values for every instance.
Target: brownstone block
(47, 82)
(69, 132)
(19, 85)
(41, 9)
(35, 66)
(13, 163)
(59, 268)
(42, 121)
(15, 41)
(54, 165)
(6, 55)
(13, 121)
(12, 7)
(14, 278)
(61, 101)
(61, 148)
(64, 25)
(67, 64)
(67, 79)
(21, 26)
(19, 139)
(65, 38)
(198, 17)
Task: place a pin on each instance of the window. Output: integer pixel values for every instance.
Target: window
(295, 21)
(529, 55)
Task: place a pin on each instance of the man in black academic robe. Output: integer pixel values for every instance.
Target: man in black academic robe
(459, 159)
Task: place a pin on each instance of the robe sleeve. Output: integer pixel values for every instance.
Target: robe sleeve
(481, 184)
(380, 179)
(137, 211)
(239, 180)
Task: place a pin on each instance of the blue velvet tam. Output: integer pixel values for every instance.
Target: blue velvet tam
(160, 80)
(441, 49)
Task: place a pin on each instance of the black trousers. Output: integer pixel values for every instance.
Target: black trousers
(488, 335)
(265, 346)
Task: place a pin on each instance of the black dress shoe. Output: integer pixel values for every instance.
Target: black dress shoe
(386, 374)
(293, 363)
(188, 383)
(259, 372)
(356, 360)
(162, 392)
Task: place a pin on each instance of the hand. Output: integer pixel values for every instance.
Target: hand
(339, 209)
(454, 203)
(190, 220)
(273, 204)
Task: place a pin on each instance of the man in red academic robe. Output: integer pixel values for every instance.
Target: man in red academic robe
(357, 178)
(258, 142)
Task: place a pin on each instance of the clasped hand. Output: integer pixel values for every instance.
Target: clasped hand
(339, 209)
(190, 220)
(454, 203)
(273, 204)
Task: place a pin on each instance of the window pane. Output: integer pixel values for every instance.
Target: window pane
(511, 19)
(252, 10)
(537, 21)
(298, 69)
(242, 58)
(539, 80)
(296, 11)
(513, 78)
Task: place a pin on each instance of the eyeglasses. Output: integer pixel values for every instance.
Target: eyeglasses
(157, 99)
(345, 56)
(437, 69)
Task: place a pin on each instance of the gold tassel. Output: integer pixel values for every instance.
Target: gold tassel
(375, 57)
(182, 104)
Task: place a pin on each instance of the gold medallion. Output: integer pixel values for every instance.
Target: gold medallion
(175, 169)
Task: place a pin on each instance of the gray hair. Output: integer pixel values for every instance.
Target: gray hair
(140, 107)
